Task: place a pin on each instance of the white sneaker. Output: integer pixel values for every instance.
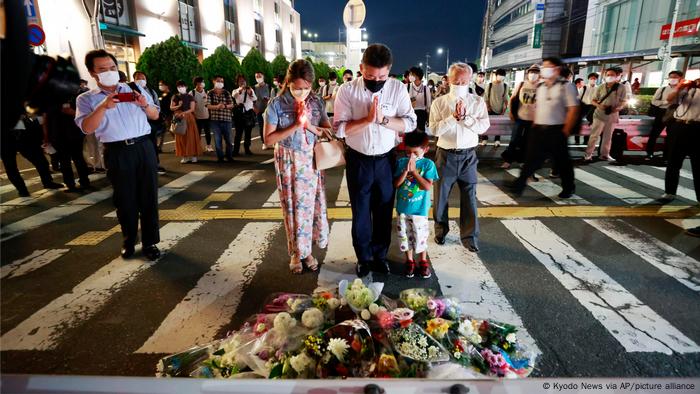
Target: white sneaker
(194, 159)
(588, 158)
(185, 160)
(483, 142)
(497, 144)
(607, 158)
(210, 148)
(668, 197)
(264, 147)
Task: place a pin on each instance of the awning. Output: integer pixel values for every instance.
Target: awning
(677, 50)
(114, 29)
(193, 45)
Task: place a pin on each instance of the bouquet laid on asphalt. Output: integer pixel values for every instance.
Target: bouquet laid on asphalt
(357, 333)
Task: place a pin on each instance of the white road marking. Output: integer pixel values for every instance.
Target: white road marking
(629, 196)
(490, 194)
(51, 215)
(343, 199)
(669, 260)
(213, 301)
(551, 190)
(240, 182)
(170, 189)
(340, 258)
(37, 195)
(268, 161)
(635, 326)
(650, 180)
(462, 274)
(273, 201)
(27, 182)
(34, 261)
(42, 330)
(685, 223)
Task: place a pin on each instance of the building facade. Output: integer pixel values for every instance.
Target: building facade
(331, 53)
(127, 27)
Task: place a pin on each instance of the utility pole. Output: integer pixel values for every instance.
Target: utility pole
(447, 63)
(667, 55)
(427, 65)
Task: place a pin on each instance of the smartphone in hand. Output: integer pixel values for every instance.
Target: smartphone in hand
(126, 97)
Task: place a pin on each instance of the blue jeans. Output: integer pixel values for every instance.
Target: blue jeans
(221, 129)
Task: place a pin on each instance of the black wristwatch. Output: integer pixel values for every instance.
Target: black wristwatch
(385, 121)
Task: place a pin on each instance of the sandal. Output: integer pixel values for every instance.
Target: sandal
(311, 263)
(295, 265)
(410, 268)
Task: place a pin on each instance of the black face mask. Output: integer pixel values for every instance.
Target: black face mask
(374, 86)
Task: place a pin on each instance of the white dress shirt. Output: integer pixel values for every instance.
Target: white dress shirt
(458, 134)
(238, 96)
(421, 94)
(353, 102)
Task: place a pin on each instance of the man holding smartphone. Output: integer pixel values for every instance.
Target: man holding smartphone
(118, 117)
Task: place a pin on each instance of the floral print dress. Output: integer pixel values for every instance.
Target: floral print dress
(301, 187)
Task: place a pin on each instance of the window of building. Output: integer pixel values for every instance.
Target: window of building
(230, 24)
(510, 45)
(277, 12)
(188, 21)
(259, 35)
(258, 6)
(278, 41)
(117, 12)
(519, 11)
(294, 47)
(291, 19)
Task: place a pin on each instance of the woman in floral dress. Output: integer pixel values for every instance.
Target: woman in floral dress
(293, 121)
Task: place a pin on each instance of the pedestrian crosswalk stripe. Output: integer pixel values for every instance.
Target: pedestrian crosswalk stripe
(241, 181)
(273, 201)
(178, 185)
(51, 215)
(671, 261)
(685, 223)
(462, 274)
(635, 326)
(213, 301)
(343, 199)
(551, 190)
(28, 183)
(33, 262)
(7, 206)
(44, 328)
(268, 161)
(686, 174)
(650, 180)
(629, 196)
(489, 194)
(340, 258)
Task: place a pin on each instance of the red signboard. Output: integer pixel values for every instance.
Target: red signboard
(686, 28)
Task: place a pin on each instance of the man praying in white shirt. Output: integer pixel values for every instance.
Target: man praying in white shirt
(457, 119)
(372, 113)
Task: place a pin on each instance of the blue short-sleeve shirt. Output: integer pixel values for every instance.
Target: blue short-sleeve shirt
(410, 198)
(282, 111)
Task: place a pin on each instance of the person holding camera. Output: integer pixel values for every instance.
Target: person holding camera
(609, 99)
(685, 140)
(244, 118)
(118, 117)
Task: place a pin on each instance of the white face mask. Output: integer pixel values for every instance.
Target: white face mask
(161, 88)
(533, 77)
(610, 79)
(140, 83)
(108, 78)
(219, 85)
(260, 79)
(673, 81)
(592, 82)
(300, 94)
(321, 83)
(275, 83)
(500, 78)
(182, 89)
(459, 90)
(547, 72)
(412, 78)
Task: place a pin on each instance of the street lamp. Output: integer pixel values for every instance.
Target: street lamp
(447, 60)
(315, 35)
(365, 36)
(306, 31)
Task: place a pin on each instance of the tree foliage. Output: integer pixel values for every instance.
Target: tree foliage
(222, 62)
(279, 66)
(254, 62)
(169, 61)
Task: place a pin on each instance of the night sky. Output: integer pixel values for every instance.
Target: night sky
(407, 27)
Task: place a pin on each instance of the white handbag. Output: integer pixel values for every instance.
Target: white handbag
(329, 151)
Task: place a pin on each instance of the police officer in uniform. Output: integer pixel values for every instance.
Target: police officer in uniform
(118, 117)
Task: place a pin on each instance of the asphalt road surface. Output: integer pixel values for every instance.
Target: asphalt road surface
(604, 284)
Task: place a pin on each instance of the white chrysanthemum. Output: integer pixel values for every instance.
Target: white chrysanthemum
(373, 308)
(475, 339)
(312, 318)
(339, 347)
(284, 321)
(300, 362)
(365, 315)
(511, 337)
(357, 283)
(333, 303)
(465, 328)
(343, 301)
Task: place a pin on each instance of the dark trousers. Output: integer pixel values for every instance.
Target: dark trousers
(685, 141)
(654, 134)
(203, 126)
(71, 149)
(421, 119)
(222, 134)
(16, 141)
(241, 129)
(261, 126)
(518, 141)
(132, 170)
(371, 189)
(460, 168)
(543, 142)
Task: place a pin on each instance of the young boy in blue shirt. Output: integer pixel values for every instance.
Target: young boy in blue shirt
(413, 180)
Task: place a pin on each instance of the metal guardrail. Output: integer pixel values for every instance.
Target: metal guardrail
(634, 125)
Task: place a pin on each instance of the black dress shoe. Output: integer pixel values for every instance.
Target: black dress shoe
(472, 248)
(362, 269)
(381, 266)
(151, 252)
(566, 194)
(23, 193)
(127, 251)
(440, 240)
(53, 185)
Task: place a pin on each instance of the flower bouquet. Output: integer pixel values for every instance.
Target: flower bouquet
(414, 343)
(358, 295)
